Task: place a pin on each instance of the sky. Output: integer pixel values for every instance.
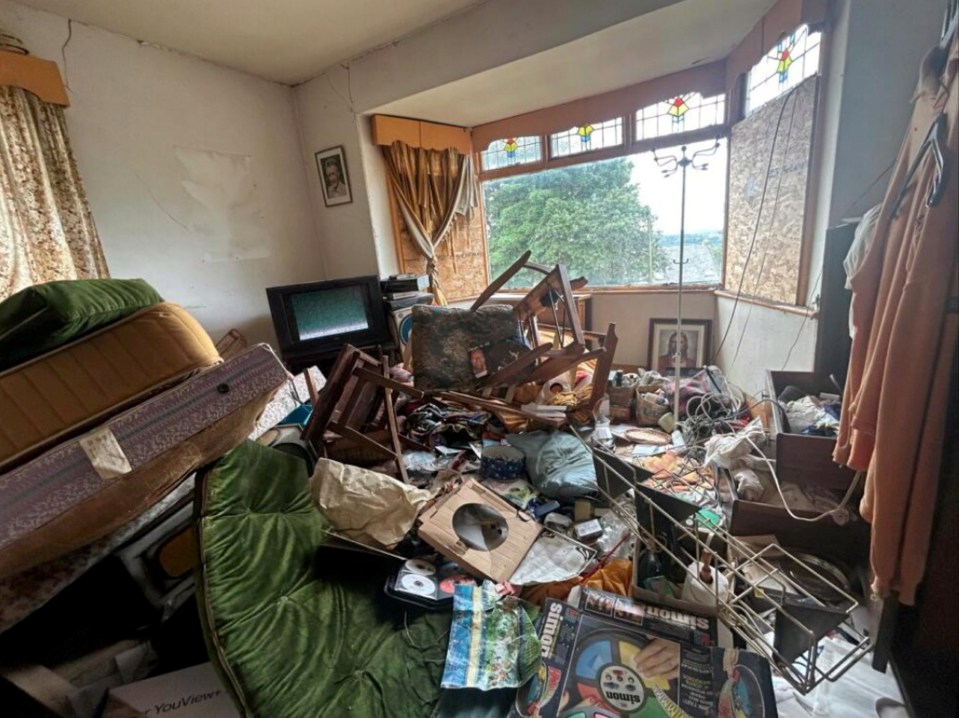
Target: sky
(705, 190)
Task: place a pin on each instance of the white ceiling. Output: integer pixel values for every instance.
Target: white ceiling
(283, 40)
(652, 45)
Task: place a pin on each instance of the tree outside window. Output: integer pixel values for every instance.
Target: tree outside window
(615, 221)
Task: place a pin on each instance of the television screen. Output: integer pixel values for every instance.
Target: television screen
(329, 312)
(315, 319)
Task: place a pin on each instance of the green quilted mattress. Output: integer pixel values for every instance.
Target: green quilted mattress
(44, 317)
(298, 632)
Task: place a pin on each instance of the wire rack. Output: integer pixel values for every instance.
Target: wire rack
(768, 596)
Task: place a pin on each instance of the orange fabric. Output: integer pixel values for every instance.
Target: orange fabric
(896, 392)
(614, 577)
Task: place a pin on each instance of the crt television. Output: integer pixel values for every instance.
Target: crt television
(318, 318)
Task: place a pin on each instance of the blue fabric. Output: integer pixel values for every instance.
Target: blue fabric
(300, 415)
(558, 464)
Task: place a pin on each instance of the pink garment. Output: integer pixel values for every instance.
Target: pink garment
(896, 392)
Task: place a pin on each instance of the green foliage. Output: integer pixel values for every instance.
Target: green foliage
(588, 217)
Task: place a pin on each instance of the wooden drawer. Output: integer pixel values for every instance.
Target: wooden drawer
(847, 544)
(800, 458)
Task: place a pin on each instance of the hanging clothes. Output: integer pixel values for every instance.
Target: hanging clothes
(896, 393)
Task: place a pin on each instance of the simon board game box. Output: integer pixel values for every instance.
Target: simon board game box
(613, 657)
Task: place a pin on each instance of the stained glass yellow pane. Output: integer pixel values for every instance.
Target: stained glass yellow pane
(782, 67)
(677, 108)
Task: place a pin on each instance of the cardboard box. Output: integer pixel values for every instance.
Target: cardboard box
(195, 692)
(443, 528)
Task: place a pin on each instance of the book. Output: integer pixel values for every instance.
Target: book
(612, 657)
(408, 301)
(405, 283)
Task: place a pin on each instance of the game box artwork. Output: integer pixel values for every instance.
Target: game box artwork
(617, 658)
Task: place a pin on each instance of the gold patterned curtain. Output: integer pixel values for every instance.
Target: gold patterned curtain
(46, 229)
(431, 187)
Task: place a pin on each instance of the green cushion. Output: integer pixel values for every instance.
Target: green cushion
(297, 632)
(43, 317)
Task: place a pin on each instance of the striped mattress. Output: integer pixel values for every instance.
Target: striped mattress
(84, 488)
(64, 392)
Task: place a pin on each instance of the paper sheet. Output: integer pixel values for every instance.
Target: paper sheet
(364, 505)
(552, 557)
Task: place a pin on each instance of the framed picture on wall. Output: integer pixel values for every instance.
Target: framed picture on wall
(692, 345)
(334, 177)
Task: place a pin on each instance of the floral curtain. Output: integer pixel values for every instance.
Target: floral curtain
(431, 187)
(46, 229)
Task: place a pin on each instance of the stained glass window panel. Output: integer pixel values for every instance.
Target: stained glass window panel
(512, 151)
(681, 113)
(794, 58)
(586, 138)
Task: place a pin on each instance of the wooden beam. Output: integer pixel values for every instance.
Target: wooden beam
(418, 133)
(41, 77)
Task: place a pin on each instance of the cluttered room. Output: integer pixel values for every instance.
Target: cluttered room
(479, 359)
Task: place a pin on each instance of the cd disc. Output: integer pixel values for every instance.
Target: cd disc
(423, 568)
(419, 585)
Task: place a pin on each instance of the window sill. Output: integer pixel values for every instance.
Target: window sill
(788, 308)
(653, 289)
(713, 289)
(589, 291)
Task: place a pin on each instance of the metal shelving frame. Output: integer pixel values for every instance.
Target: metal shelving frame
(741, 565)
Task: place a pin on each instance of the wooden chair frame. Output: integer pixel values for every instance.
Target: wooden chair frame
(356, 407)
(554, 293)
(544, 361)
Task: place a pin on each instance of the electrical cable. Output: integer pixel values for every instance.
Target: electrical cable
(772, 471)
(759, 214)
(802, 324)
(772, 223)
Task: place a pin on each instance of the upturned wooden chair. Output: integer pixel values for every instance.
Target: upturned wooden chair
(356, 408)
(553, 296)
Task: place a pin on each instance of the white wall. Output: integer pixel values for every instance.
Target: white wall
(132, 107)
(874, 66)
(381, 218)
(760, 338)
(631, 314)
(326, 119)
